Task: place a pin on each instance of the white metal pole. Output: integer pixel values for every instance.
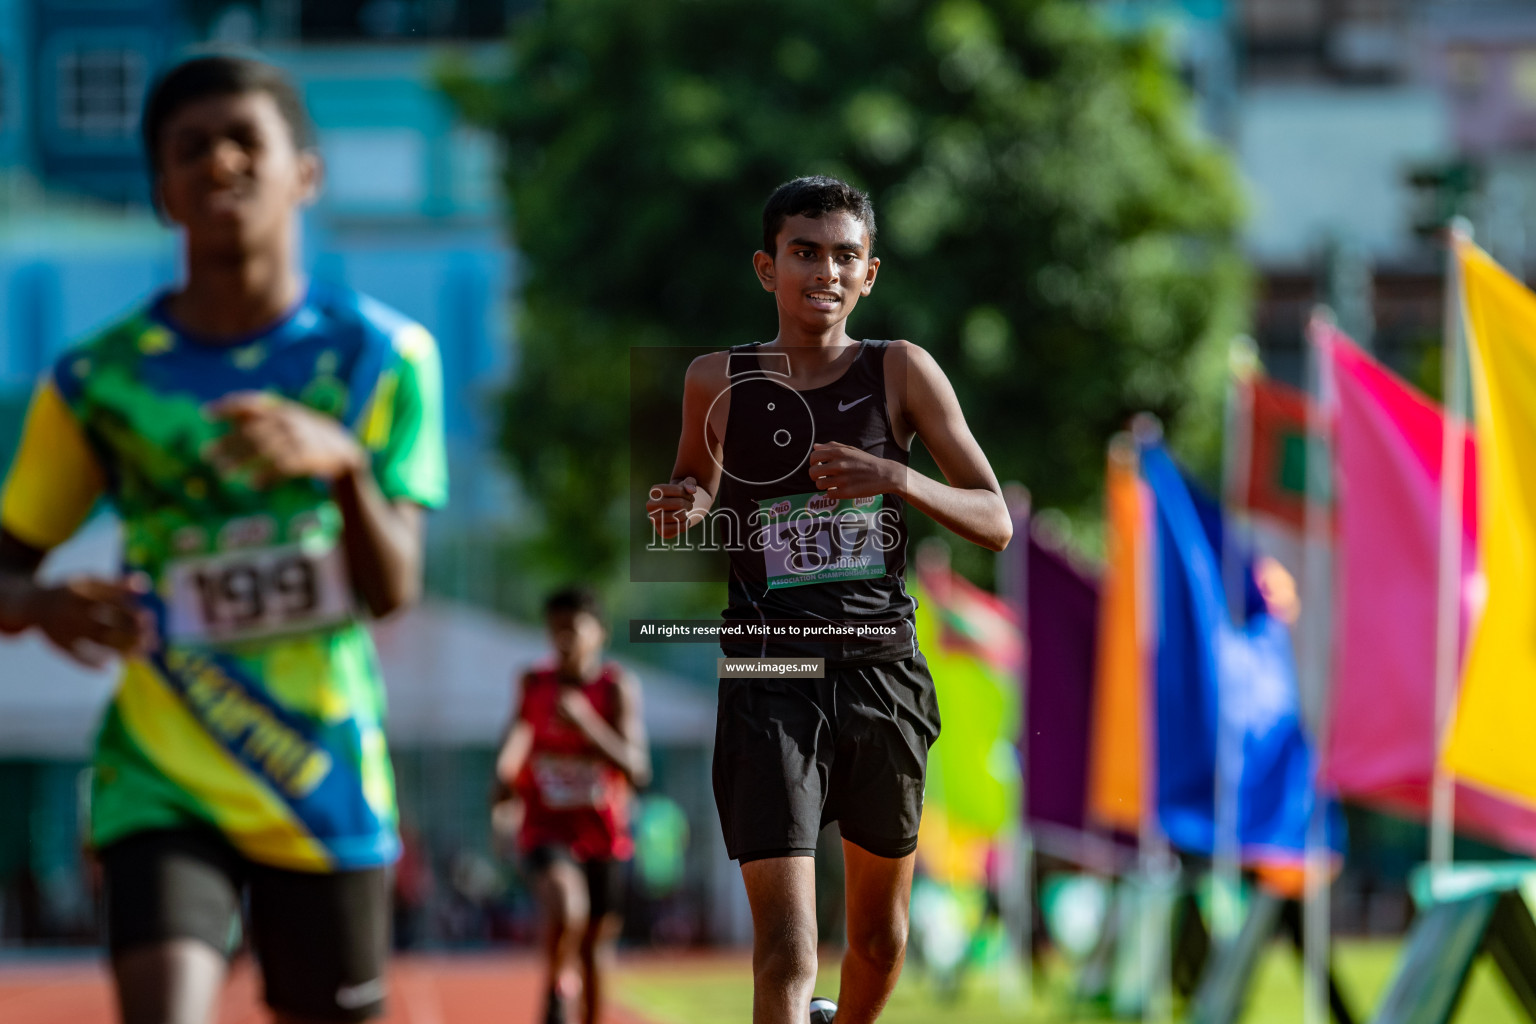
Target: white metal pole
(1448, 578)
(1237, 461)
(1016, 886)
(1316, 909)
(1157, 864)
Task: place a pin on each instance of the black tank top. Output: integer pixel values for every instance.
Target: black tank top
(795, 553)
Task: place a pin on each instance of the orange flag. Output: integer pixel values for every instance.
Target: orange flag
(1120, 757)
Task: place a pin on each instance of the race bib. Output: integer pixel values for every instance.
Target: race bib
(568, 782)
(240, 595)
(815, 538)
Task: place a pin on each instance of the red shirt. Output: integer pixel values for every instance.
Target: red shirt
(573, 795)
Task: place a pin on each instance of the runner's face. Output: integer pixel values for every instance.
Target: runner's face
(821, 269)
(576, 636)
(230, 173)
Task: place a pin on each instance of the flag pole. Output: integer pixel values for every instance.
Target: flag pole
(1016, 881)
(1237, 462)
(1442, 812)
(1316, 908)
(1158, 866)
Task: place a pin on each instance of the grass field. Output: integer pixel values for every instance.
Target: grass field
(718, 991)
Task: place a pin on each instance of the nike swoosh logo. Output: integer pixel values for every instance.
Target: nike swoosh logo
(353, 997)
(845, 406)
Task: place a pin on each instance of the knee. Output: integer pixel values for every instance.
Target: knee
(787, 959)
(565, 904)
(883, 946)
(599, 936)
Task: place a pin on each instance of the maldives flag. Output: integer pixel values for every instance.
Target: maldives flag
(1274, 416)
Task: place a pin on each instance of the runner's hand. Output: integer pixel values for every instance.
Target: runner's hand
(848, 472)
(506, 822)
(90, 618)
(277, 439)
(671, 507)
(576, 709)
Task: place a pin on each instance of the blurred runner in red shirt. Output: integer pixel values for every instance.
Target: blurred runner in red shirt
(573, 756)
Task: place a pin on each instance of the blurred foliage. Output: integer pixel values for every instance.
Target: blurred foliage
(1052, 225)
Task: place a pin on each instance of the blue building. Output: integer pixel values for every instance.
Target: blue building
(409, 212)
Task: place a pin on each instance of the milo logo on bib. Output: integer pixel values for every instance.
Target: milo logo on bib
(816, 538)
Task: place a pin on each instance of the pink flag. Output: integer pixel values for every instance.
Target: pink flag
(1381, 746)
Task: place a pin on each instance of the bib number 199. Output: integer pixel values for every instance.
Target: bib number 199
(255, 592)
(242, 595)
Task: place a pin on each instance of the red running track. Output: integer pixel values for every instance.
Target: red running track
(479, 989)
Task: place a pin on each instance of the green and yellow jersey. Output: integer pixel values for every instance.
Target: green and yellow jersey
(261, 711)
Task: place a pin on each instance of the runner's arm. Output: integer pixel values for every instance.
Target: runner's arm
(624, 745)
(53, 483)
(384, 542)
(969, 502)
(275, 438)
(687, 497)
(514, 751)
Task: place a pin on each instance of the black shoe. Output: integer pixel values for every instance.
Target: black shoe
(823, 1011)
(554, 1009)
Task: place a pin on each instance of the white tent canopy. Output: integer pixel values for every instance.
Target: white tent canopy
(448, 669)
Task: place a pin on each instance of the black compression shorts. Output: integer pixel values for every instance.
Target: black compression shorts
(605, 878)
(322, 939)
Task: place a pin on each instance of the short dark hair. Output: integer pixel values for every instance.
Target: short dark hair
(811, 197)
(220, 74)
(574, 599)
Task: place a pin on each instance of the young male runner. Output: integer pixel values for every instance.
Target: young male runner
(804, 441)
(569, 766)
(269, 445)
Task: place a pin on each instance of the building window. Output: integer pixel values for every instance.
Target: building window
(100, 91)
(1466, 70)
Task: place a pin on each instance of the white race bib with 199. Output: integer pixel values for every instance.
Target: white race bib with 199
(816, 538)
(239, 595)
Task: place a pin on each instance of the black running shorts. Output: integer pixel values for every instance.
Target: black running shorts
(605, 878)
(322, 939)
(792, 755)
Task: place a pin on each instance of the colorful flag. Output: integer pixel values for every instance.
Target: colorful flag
(1062, 609)
(1119, 753)
(973, 789)
(1389, 446)
(1212, 675)
(1275, 419)
(1490, 745)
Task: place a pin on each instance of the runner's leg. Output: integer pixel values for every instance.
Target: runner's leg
(782, 893)
(596, 962)
(879, 893)
(562, 893)
(322, 940)
(173, 906)
(604, 879)
(171, 982)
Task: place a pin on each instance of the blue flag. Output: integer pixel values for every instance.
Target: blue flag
(1227, 699)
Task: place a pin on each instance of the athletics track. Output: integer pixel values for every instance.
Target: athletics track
(482, 988)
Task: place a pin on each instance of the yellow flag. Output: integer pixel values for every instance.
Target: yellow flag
(1119, 763)
(1490, 744)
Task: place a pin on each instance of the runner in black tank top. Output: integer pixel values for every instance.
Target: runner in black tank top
(821, 475)
(845, 564)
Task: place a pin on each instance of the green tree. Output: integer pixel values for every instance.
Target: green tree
(1052, 224)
